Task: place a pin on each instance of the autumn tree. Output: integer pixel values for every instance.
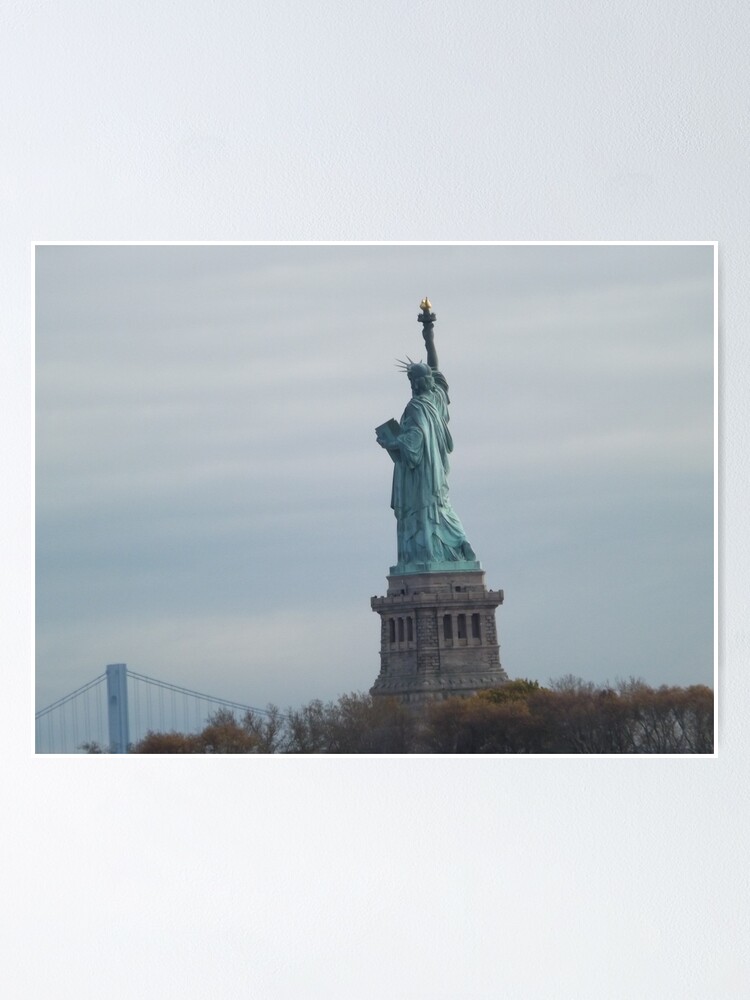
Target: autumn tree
(573, 716)
(355, 723)
(494, 721)
(670, 719)
(171, 742)
(223, 733)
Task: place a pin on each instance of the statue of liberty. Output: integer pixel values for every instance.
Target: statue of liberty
(430, 535)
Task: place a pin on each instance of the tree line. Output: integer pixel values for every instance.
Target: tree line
(570, 716)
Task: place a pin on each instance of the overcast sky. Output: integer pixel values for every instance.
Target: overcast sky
(213, 509)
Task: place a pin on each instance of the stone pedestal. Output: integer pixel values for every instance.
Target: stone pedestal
(438, 634)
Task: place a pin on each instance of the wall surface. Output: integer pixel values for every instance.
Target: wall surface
(365, 877)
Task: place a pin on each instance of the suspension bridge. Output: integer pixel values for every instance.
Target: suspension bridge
(119, 707)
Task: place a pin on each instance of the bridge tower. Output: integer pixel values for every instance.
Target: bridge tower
(117, 707)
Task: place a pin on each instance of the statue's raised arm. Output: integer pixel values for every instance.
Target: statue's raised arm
(427, 319)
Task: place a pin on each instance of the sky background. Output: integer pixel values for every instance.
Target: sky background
(213, 510)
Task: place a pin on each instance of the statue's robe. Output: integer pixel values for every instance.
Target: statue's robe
(428, 528)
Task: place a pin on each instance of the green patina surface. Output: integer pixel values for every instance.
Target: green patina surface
(430, 535)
